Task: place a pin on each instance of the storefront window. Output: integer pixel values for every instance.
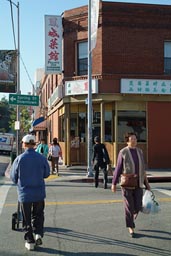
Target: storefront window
(82, 124)
(96, 117)
(108, 126)
(73, 125)
(61, 128)
(96, 125)
(132, 121)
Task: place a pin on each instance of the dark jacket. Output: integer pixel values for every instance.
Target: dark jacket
(100, 154)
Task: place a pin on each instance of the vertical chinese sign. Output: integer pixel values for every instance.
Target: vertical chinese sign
(53, 44)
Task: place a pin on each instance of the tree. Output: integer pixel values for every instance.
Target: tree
(8, 116)
(25, 119)
(4, 115)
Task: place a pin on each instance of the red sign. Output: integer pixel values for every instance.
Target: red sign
(53, 44)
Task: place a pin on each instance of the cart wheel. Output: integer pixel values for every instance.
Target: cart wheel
(14, 221)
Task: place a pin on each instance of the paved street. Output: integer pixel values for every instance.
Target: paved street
(82, 220)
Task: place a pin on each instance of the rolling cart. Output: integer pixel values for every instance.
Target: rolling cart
(17, 218)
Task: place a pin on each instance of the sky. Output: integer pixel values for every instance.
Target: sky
(32, 31)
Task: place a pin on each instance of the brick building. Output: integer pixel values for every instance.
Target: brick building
(131, 82)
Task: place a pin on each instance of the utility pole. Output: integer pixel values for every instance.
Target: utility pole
(89, 110)
(18, 79)
(17, 123)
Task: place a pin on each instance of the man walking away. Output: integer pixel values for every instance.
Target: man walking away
(100, 160)
(29, 171)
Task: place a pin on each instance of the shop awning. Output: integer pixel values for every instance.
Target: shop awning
(41, 127)
(38, 121)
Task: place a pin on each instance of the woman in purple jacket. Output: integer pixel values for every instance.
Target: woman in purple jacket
(130, 160)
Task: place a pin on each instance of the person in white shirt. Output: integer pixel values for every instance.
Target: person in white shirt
(55, 152)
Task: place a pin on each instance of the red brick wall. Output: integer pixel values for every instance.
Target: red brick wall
(130, 41)
(133, 38)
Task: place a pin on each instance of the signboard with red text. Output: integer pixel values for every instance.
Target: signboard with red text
(53, 44)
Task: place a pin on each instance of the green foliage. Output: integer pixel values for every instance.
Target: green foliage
(4, 115)
(8, 116)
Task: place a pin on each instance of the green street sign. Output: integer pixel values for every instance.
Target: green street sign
(20, 99)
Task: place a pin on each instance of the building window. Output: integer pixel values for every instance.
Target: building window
(82, 58)
(167, 57)
(132, 121)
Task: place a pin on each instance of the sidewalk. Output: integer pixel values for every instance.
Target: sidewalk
(79, 174)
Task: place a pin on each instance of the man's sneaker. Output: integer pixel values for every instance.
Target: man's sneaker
(38, 239)
(29, 246)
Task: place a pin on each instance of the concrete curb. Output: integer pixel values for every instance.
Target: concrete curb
(154, 179)
(78, 174)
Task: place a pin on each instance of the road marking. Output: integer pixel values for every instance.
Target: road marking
(86, 202)
(52, 177)
(3, 194)
(164, 191)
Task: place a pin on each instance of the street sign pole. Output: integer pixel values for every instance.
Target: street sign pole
(18, 81)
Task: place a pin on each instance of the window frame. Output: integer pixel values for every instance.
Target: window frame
(82, 59)
(167, 57)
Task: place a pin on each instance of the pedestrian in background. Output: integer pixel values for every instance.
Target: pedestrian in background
(131, 160)
(55, 152)
(29, 171)
(43, 148)
(100, 159)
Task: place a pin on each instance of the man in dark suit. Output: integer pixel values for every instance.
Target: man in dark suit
(100, 160)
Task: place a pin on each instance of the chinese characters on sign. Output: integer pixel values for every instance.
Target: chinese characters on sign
(146, 86)
(53, 44)
(80, 87)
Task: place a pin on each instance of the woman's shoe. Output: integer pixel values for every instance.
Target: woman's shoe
(131, 232)
(132, 235)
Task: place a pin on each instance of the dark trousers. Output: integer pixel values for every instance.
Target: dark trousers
(55, 164)
(97, 166)
(132, 204)
(33, 219)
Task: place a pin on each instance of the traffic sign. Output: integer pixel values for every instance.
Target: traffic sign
(20, 99)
